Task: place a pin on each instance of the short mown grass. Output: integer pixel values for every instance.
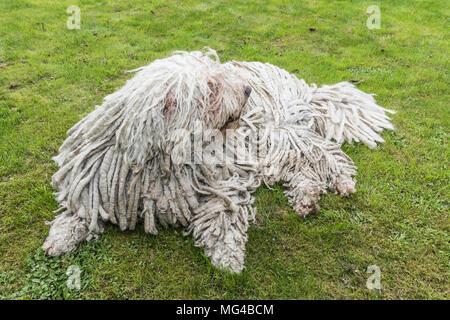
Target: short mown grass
(50, 77)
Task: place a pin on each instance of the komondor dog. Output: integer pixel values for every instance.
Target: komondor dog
(188, 140)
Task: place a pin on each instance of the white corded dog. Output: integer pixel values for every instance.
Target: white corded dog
(187, 140)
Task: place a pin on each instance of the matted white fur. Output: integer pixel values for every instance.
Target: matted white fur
(125, 162)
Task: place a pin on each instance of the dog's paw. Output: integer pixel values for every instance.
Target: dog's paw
(228, 256)
(345, 186)
(228, 251)
(57, 246)
(305, 201)
(305, 209)
(66, 232)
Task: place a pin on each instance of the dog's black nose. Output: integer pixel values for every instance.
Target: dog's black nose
(247, 91)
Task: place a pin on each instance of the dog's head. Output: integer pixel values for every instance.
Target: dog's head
(232, 121)
(175, 94)
(204, 92)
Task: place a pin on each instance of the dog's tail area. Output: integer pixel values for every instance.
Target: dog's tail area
(348, 114)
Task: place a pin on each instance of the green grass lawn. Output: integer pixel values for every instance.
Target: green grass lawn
(50, 77)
